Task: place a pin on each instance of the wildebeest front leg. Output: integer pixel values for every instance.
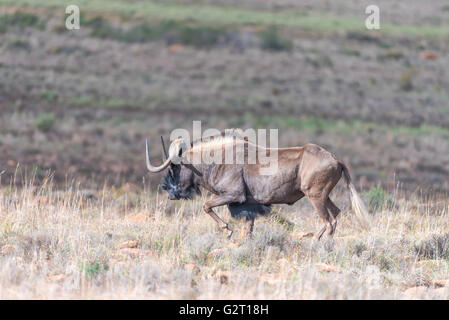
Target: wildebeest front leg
(220, 201)
(247, 231)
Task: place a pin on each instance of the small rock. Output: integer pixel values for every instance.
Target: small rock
(57, 277)
(128, 244)
(442, 293)
(137, 217)
(428, 55)
(136, 253)
(191, 268)
(175, 47)
(328, 268)
(439, 283)
(7, 249)
(415, 293)
(300, 235)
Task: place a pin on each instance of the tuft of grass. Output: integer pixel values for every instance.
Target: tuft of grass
(406, 81)
(199, 36)
(21, 44)
(21, 20)
(45, 121)
(377, 197)
(350, 52)
(273, 41)
(437, 247)
(390, 54)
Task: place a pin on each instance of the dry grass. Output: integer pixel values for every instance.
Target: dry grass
(128, 243)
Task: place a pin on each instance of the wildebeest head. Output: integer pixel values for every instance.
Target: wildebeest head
(179, 181)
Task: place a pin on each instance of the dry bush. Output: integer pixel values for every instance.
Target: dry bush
(66, 244)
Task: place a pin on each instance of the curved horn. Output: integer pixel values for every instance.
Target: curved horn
(163, 147)
(150, 167)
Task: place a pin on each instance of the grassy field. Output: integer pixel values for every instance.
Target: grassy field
(88, 99)
(78, 106)
(238, 16)
(127, 243)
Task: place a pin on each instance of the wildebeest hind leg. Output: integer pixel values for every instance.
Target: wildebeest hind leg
(334, 211)
(320, 207)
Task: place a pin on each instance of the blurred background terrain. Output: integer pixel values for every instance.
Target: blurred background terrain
(81, 103)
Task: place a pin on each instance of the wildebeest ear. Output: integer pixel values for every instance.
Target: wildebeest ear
(195, 170)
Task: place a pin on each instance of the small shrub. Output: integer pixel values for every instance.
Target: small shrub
(357, 248)
(203, 36)
(199, 248)
(20, 19)
(390, 54)
(173, 32)
(48, 95)
(272, 40)
(437, 247)
(45, 121)
(95, 22)
(19, 44)
(91, 269)
(350, 52)
(377, 197)
(406, 81)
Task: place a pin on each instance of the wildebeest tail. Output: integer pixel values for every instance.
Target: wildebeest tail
(357, 204)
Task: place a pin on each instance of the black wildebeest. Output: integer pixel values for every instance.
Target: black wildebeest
(309, 171)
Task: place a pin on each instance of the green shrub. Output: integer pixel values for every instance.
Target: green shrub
(45, 121)
(20, 19)
(272, 40)
(19, 44)
(178, 32)
(199, 36)
(91, 269)
(406, 81)
(390, 54)
(377, 197)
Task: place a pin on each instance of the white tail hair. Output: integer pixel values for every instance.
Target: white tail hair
(361, 213)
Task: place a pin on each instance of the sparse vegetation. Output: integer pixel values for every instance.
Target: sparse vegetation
(437, 247)
(45, 121)
(377, 198)
(173, 32)
(64, 244)
(272, 40)
(406, 81)
(21, 20)
(21, 44)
